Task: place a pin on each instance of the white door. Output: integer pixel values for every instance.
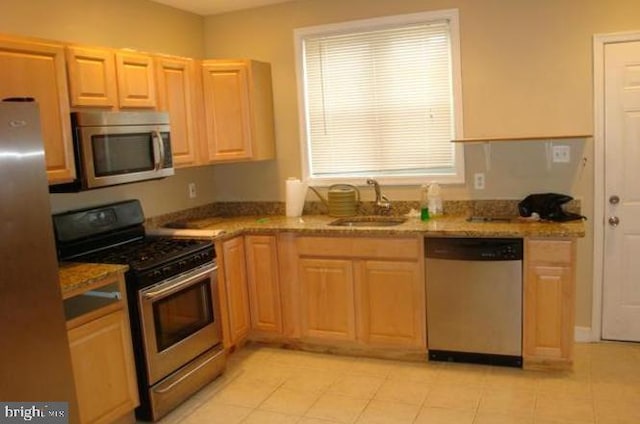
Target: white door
(621, 287)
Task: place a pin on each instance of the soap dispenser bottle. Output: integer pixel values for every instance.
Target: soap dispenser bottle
(424, 202)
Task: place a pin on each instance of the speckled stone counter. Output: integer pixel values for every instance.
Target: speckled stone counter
(76, 278)
(447, 226)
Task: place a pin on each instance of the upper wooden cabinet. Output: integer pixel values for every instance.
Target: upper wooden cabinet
(92, 79)
(238, 103)
(136, 86)
(102, 77)
(549, 301)
(37, 69)
(177, 85)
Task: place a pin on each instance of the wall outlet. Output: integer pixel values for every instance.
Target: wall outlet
(192, 191)
(561, 154)
(478, 181)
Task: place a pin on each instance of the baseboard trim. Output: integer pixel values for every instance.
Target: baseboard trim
(583, 335)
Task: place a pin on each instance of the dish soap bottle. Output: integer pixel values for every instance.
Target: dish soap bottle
(424, 203)
(434, 200)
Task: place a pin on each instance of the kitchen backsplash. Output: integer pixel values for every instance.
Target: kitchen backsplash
(451, 207)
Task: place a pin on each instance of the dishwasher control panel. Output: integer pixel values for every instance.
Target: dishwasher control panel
(474, 249)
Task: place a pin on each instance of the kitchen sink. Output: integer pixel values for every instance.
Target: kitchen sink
(368, 221)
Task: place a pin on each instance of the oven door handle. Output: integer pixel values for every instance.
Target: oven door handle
(179, 284)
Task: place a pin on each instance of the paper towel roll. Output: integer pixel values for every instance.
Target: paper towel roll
(296, 193)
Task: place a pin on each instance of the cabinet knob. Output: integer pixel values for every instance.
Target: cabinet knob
(614, 221)
(614, 200)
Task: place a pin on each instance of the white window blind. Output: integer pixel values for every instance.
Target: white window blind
(379, 101)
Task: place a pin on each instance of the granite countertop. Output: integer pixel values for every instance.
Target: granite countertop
(78, 277)
(450, 226)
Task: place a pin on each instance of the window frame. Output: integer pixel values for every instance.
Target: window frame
(451, 15)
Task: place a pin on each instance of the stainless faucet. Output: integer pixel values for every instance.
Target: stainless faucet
(382, 202)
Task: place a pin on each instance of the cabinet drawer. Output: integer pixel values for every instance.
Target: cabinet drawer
(551, 251)
(359, 247)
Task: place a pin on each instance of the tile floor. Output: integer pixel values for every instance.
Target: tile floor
(264, 385)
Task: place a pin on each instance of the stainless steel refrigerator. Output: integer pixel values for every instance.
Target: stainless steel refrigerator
(35, 362)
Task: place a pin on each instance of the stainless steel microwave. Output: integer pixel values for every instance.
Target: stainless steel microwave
(112, 148)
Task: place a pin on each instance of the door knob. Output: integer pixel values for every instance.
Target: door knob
(614, 200)
(614, 221)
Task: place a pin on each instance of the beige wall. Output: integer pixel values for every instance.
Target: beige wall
(526, 70)
(136, 24)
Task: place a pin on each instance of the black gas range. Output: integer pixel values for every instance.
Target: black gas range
(115, 234)
(172, 297)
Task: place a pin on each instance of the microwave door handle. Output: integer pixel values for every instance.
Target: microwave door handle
(158, 151)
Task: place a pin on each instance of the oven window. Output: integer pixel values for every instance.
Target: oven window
(116, 154)
(182, 314)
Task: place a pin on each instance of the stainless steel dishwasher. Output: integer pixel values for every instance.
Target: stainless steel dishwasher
(474, 300)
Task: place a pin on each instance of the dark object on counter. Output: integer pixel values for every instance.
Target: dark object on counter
(548, 206)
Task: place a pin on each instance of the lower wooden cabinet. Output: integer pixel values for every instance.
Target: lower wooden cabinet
(549, 301)
(103, 368)
(234, 295)
(263, 283)
(327, 299)
(363, 291)
(101, 352)
(391, 303)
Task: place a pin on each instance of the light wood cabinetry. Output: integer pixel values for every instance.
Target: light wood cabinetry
(392, 303)
(37, 69)
(136, 84)
(327, 299)
(549, 301)
(362, 290)
(102, 354)
(177, 85)
(264, 284)
(102, 77)
(234, 296)
(238, 105)
(92, 79)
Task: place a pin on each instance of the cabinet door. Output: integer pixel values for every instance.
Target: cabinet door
(391, 304)
(92, 77)
(31, 69)
(549, 298)
(235, 285)
(136, 87)
(264, 286)
(103, 368)
(227, 110)
(176, 95)
(327, 299)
